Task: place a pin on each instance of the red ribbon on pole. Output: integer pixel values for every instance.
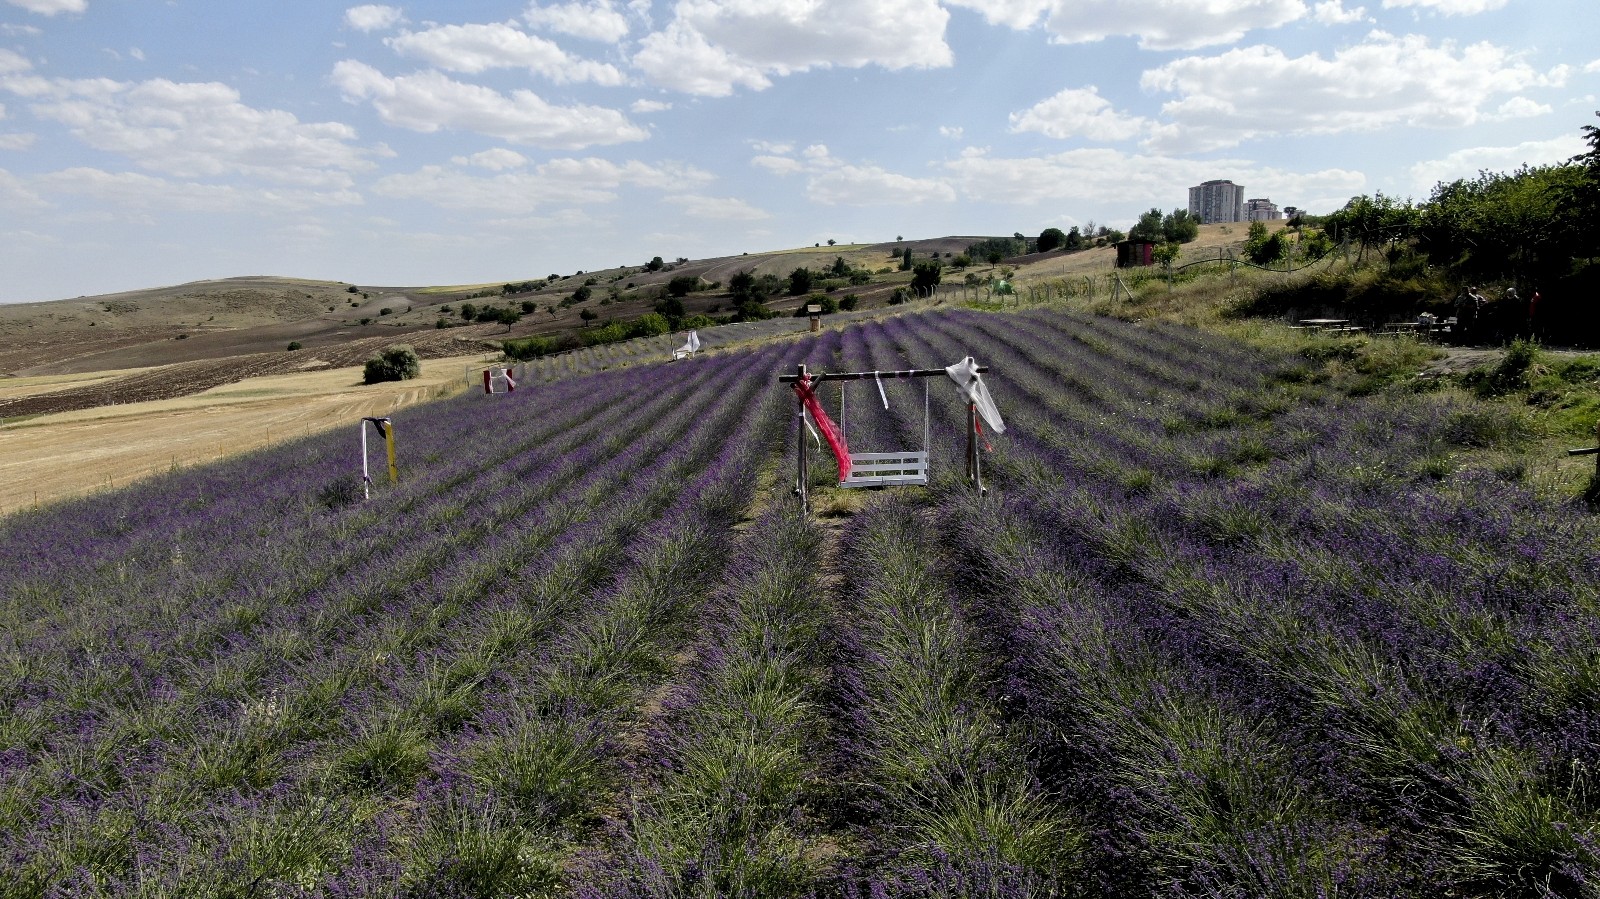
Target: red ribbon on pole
(830, 431)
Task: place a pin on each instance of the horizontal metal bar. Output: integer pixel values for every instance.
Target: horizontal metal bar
(868, 375)
(1584, 452)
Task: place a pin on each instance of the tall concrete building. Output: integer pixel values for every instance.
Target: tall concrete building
(1217, 201)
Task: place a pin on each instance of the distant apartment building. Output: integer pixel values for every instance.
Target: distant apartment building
(1261, 210)
(1217, 201)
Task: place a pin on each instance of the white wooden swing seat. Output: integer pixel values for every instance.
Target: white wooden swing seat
(887, 470)
(905, 469)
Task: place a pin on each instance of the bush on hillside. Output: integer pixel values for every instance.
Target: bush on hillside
(396, 363)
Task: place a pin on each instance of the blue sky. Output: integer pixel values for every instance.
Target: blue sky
(153, 142)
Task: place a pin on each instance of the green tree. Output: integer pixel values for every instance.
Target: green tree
(1052, 238)
(396, 363)
(1178, 227)
(1148, 228)
(655, 264)
(1074, 239)
(800, 281)
(926, 275)
(905, 261)
(683, 285)
(1165, 254)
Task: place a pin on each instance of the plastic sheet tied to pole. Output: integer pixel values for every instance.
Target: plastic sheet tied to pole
(806, 391)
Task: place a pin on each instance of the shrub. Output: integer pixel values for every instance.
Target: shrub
(396, 363)
(849, 302)
(366, 321)
(528, 348)
(386, 311)
(293, 345)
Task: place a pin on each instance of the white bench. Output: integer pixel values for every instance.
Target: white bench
(887, 470)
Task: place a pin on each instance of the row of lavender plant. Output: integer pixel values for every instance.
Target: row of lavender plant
(226, 668)
(1499, 816)
(394, 639)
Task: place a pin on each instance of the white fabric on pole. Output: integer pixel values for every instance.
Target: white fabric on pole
(881, 395)
(965, 374)
(691, 346)
(806, 417)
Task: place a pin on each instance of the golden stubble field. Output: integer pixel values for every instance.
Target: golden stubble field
(53, 457)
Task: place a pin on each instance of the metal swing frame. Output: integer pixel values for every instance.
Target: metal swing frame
(886, 469)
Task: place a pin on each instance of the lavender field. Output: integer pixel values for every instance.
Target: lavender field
(1214, 631)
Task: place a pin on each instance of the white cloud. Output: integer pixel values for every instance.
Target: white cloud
(132, 190)
(727, 209)
(17, 141)
(373, 17)
(1332, 12)
(498, 159)
(477, 48)
(195, 130)
(13, 30)
(1520, 108)
(560, 181)
(1018, 14)
(429, 102)
(1138, 181)
(1469, 162)
(778, 165)
(12, 62)
(1385, 80)
(712, 47)
(834, 182)
(15, 195)
(954, 132)
(648, 106)
(1449, 7)
(1591, 67)
(1168, 24)
(1078, 113)
(51, 7)
(680, 58)
(597, 21)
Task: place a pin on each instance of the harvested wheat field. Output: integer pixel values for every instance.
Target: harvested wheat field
(57, 456)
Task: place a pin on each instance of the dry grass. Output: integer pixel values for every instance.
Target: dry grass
(51, 457)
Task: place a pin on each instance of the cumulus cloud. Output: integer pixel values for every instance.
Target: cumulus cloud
(1138, 180)
(1156, 24)
(12, 62)
(16, 195)
(712, 47)
(430, 101)
(726, 209)
(1448, 7)
(498, 159)
(51, 7)
(1469, 162)
(598, 21)
(1078, 113)
(1332, 12)
(196, 129)
(17, 141)
(648, 106)
(559, 181)
(373, 17)
(132, 190)
(954, 132)
(1385, 80)
(835, 182)
(477, 48)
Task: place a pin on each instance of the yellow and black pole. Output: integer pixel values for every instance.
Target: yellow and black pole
(385, 427)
